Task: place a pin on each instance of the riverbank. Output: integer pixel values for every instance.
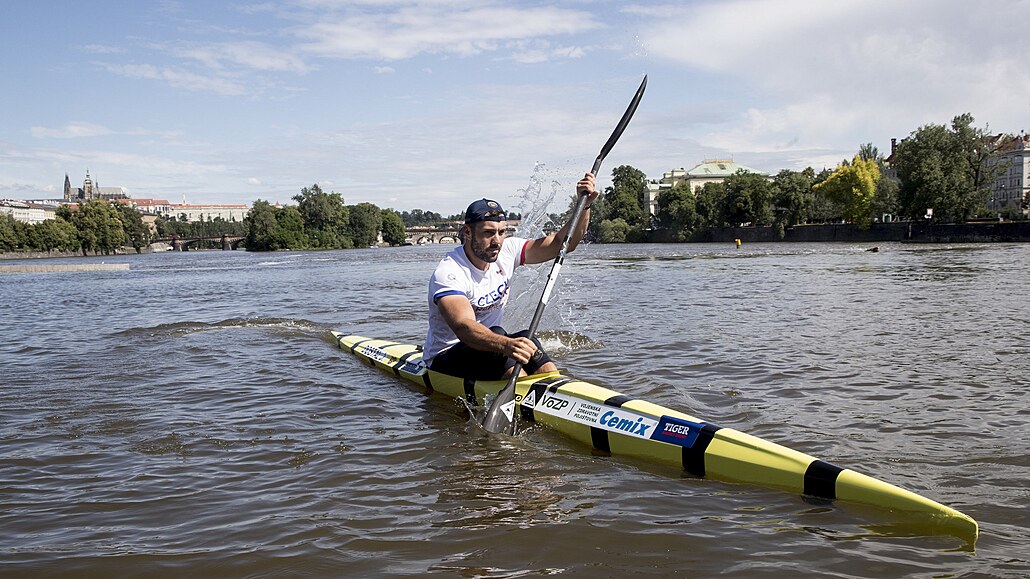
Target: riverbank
(16, 255)
(906, 232)
(53, 268)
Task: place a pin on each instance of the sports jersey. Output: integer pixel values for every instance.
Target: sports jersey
(487, 291)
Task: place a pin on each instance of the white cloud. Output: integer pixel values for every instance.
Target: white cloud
(178, 78)
(103, 49)
(249, 54)
(72, 130)
(537, 50)
(809, 74)
(411, 29)
(383, 69)
(253, 181)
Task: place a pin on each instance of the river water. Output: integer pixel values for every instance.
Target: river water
(191, 416)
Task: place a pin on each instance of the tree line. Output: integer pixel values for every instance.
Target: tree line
(947, 169)
(97, 226)
(320, 220)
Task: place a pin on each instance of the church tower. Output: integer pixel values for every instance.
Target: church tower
(88, 193)
(68, 196)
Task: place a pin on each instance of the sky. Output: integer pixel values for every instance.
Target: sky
(430, 105)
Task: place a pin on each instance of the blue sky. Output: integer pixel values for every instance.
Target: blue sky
(432, 104)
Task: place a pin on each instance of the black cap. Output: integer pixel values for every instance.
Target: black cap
(485, 210)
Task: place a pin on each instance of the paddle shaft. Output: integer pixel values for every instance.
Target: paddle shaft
(497, 418)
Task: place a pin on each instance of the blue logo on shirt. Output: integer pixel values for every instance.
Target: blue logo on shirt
(492, 299)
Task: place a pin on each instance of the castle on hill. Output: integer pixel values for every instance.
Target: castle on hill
(91, 190)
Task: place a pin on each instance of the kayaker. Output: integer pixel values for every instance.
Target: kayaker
(469, 289)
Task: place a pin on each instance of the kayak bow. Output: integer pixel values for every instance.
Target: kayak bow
(620, 425)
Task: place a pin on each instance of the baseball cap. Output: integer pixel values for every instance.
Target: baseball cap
(485, 210)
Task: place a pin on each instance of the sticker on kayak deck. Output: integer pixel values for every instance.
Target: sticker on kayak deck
(416, 367)
(596, 415)
(374, 353)
(677, 431)
(530, 400)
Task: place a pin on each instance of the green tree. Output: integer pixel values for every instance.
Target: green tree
(262, 227)
(886, 199)
(393, 227)
(792, 196)
(57, 235)
(289, 230)
(136, 232)
(8, 232)
(98, 226)
(868, 152)
(325, 217)
(613, 231)
(708, 202)
(627, 197)
(365, 223)
(853, 185)
(823, 209)
(945, 170)
(677, 213)
(748, 199)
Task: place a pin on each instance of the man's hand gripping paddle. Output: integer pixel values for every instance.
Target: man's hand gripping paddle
(501, 415)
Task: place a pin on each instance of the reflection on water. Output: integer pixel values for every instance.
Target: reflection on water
(190, 415)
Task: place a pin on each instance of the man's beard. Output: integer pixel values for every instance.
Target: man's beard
(481, 251)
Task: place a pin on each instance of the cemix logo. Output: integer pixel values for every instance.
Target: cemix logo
(636, 427)
(375, 353)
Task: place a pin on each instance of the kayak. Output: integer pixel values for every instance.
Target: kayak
(621, 425)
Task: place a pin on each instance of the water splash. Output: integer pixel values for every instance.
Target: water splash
(641, 47)
(544, 204)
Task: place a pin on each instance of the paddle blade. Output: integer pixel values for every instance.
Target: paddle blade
(501, 416)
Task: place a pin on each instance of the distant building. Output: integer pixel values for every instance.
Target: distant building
(227, 211)
(186, 212)
(91, 190)
(148, 206)
(27, 211)
(1012, 185)
(710, 171)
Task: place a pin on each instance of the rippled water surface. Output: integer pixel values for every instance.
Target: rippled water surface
(191, 416)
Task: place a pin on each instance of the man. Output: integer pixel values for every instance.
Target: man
(469, 289)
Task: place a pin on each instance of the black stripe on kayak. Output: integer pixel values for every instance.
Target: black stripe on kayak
(553, 384)
(821, 479)
(355, 345)
(427, 381)
(470, 391)
(599, 438)
(618, 400)
(402, 360)
(694, 457)
(537, 391)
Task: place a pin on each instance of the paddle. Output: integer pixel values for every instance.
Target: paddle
(501, 415)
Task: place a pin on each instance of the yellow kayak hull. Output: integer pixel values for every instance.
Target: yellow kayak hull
(617, 424)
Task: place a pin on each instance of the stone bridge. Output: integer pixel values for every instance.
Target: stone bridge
(442, 234)
(435, 235)
(229, 242)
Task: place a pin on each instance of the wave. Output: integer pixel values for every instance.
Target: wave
(177, 329)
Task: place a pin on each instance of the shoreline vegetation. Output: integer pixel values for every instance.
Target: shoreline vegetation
(903, 232)
(936, 186)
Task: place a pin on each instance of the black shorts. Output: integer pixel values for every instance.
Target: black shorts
(466, 362)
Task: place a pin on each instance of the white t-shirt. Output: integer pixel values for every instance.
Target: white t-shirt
(487, 291)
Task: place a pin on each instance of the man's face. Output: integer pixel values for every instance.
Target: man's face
(486, 239)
